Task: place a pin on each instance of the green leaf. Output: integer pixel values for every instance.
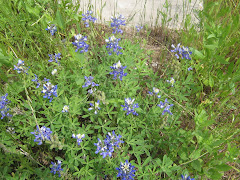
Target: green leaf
(79, 81)
(196, 154)
(223, 167)
(236, 78)
(222, 60)
(211, 36)
(59, 158)
(167, 162)
(211, 47)
(196, 165)
(66, 100)
(211, 81)
(198, 54)
(214, 174)
(147, 161)
(3, 59)
(85, 116)
(60, 21)
(230, 68)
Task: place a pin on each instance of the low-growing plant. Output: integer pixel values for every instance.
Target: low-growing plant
(79, 103)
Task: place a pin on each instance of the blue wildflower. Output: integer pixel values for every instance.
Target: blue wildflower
(80, 43)
(52, 29)
(56, 168)
(95, 106)
(89, 82)
(46, 80)
(20, 67)
(65, 108)
(118, 70)
(190, 68)
(3, 106)
(49, 90)
(113, 139)
(42, 134)
(36, 80)
(87, 18)
(79, 137)
(126, 171)
(155, 91)
(182, 51)
(138, 28)
(112, 45)
(117, 22)
(56, 58)
(186, 177)
(103, 149)
(166, 106)
(171, 81)
(129, 106)
(92, 90)
(106, 147)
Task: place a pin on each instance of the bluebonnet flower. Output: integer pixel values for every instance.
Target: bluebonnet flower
(155, 91)
(20, 67)
(54, 71)
(87, 18)
(117, 22)
(112, 45)
(65, 108)
(49, 90)
(89, 82)
(42, 134)
(182, 51)
(92, 90)
(56, 57)
(102, 149)
(106, 147)
(3, 106)
(126, 171)
(10, 130)
(95, 106)
(166, 106)
(118, 70)
(52, 29)
(113, 139)
(138, 28)
(171, 81)
(46, 80)
(79, 137)
(129, 106)
(190, 68)
(186, 177)
(56, 168)
(80, 43)
(36, 80)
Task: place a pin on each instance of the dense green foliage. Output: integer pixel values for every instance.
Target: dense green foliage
(200, 139)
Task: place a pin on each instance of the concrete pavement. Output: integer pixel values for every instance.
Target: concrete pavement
(170, 13)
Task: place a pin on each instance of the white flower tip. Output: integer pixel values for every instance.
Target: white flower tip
(54, 71)
(118, 65)
(112, 38)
